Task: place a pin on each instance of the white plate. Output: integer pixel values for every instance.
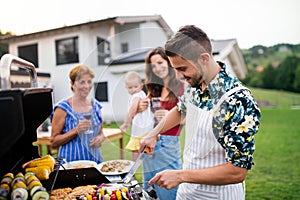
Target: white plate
(116, 172)
(79, 164)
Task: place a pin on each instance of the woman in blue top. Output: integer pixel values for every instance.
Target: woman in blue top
(70, 128)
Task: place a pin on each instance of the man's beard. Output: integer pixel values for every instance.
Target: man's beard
(194, 81)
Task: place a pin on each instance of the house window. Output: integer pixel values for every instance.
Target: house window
(103, 48)
(29, 53)
(101, 91)
(124, 47)
(67, 51)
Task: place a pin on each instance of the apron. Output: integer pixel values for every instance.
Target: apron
(202, 150)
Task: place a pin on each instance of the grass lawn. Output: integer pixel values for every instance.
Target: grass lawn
(276, 173)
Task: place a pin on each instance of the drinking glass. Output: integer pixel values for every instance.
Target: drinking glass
(156, 105)
(88, 115)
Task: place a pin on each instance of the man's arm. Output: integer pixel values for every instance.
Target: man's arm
(218, 175)
(172, 119)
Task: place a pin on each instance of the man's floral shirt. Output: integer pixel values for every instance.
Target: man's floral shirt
(235, 122)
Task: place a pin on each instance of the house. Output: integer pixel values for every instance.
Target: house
(111, 47)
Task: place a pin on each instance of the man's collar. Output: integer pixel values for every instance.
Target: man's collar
(214, 80)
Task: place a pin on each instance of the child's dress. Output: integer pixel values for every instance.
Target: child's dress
(141, 124)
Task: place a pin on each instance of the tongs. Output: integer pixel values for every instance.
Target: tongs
(56, 169)
(135, 166)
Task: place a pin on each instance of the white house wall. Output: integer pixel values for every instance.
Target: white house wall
(128, 33)
(152, 35)
(117, 105)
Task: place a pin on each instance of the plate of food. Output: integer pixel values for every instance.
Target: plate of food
(79, 164)
(115, 167)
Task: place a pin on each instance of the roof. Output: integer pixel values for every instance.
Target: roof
(135, 56)
(139, 55)
(219, 45)
(112, 20)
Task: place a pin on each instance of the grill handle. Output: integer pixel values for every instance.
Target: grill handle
(8, 60)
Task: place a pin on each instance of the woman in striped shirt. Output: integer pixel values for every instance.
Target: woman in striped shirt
(70, 127)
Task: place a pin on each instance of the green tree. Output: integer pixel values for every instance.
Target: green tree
(285, 75)
(268, 77)
(3, 47)
(297, 78)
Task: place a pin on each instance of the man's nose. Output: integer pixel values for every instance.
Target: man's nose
(179, 75)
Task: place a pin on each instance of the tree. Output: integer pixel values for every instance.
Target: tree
(3, 47)
(297, 78)
(268, 77)
(285, 75)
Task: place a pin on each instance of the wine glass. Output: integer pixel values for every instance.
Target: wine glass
(88, 115)
(156, 105)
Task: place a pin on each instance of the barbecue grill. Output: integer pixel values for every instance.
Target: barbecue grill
(22, 111)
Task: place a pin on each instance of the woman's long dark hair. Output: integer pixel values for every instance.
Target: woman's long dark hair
(154, 84)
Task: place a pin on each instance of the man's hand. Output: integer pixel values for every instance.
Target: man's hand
(168, 179)
(150, 142)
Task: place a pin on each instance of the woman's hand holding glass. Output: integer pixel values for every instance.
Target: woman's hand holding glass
(83, 126)
(143, 105)
(88, 116)
(159, 114)
(159, 111)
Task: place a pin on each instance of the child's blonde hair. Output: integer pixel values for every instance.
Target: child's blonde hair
(132, 75)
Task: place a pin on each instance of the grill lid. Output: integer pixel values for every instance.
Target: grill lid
(22, 111)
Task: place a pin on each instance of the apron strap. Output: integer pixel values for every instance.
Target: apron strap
(225, 96)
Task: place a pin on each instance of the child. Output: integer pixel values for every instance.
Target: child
(141, 122)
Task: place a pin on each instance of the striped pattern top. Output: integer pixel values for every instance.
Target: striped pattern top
(78, 148)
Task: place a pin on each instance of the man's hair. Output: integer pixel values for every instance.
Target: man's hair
(189, 42)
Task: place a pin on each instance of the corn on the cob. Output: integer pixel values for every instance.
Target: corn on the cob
(45, 160)
(38, 163)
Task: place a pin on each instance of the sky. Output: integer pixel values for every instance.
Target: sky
(251, 22)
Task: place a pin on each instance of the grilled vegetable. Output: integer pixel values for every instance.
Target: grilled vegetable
(43, 161)
(19, 194)
(40, 193)
(41, 172)
(34, 183)
(19, 184)
(4, 192)
(7, 178)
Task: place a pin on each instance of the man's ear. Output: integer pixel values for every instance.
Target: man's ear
(203, 58)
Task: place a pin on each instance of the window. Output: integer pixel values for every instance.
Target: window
(101, 93)
(29, 53)
(103, 48)
(67, 51)
(124, 47)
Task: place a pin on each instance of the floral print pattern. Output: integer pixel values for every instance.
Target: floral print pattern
(235, 121)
